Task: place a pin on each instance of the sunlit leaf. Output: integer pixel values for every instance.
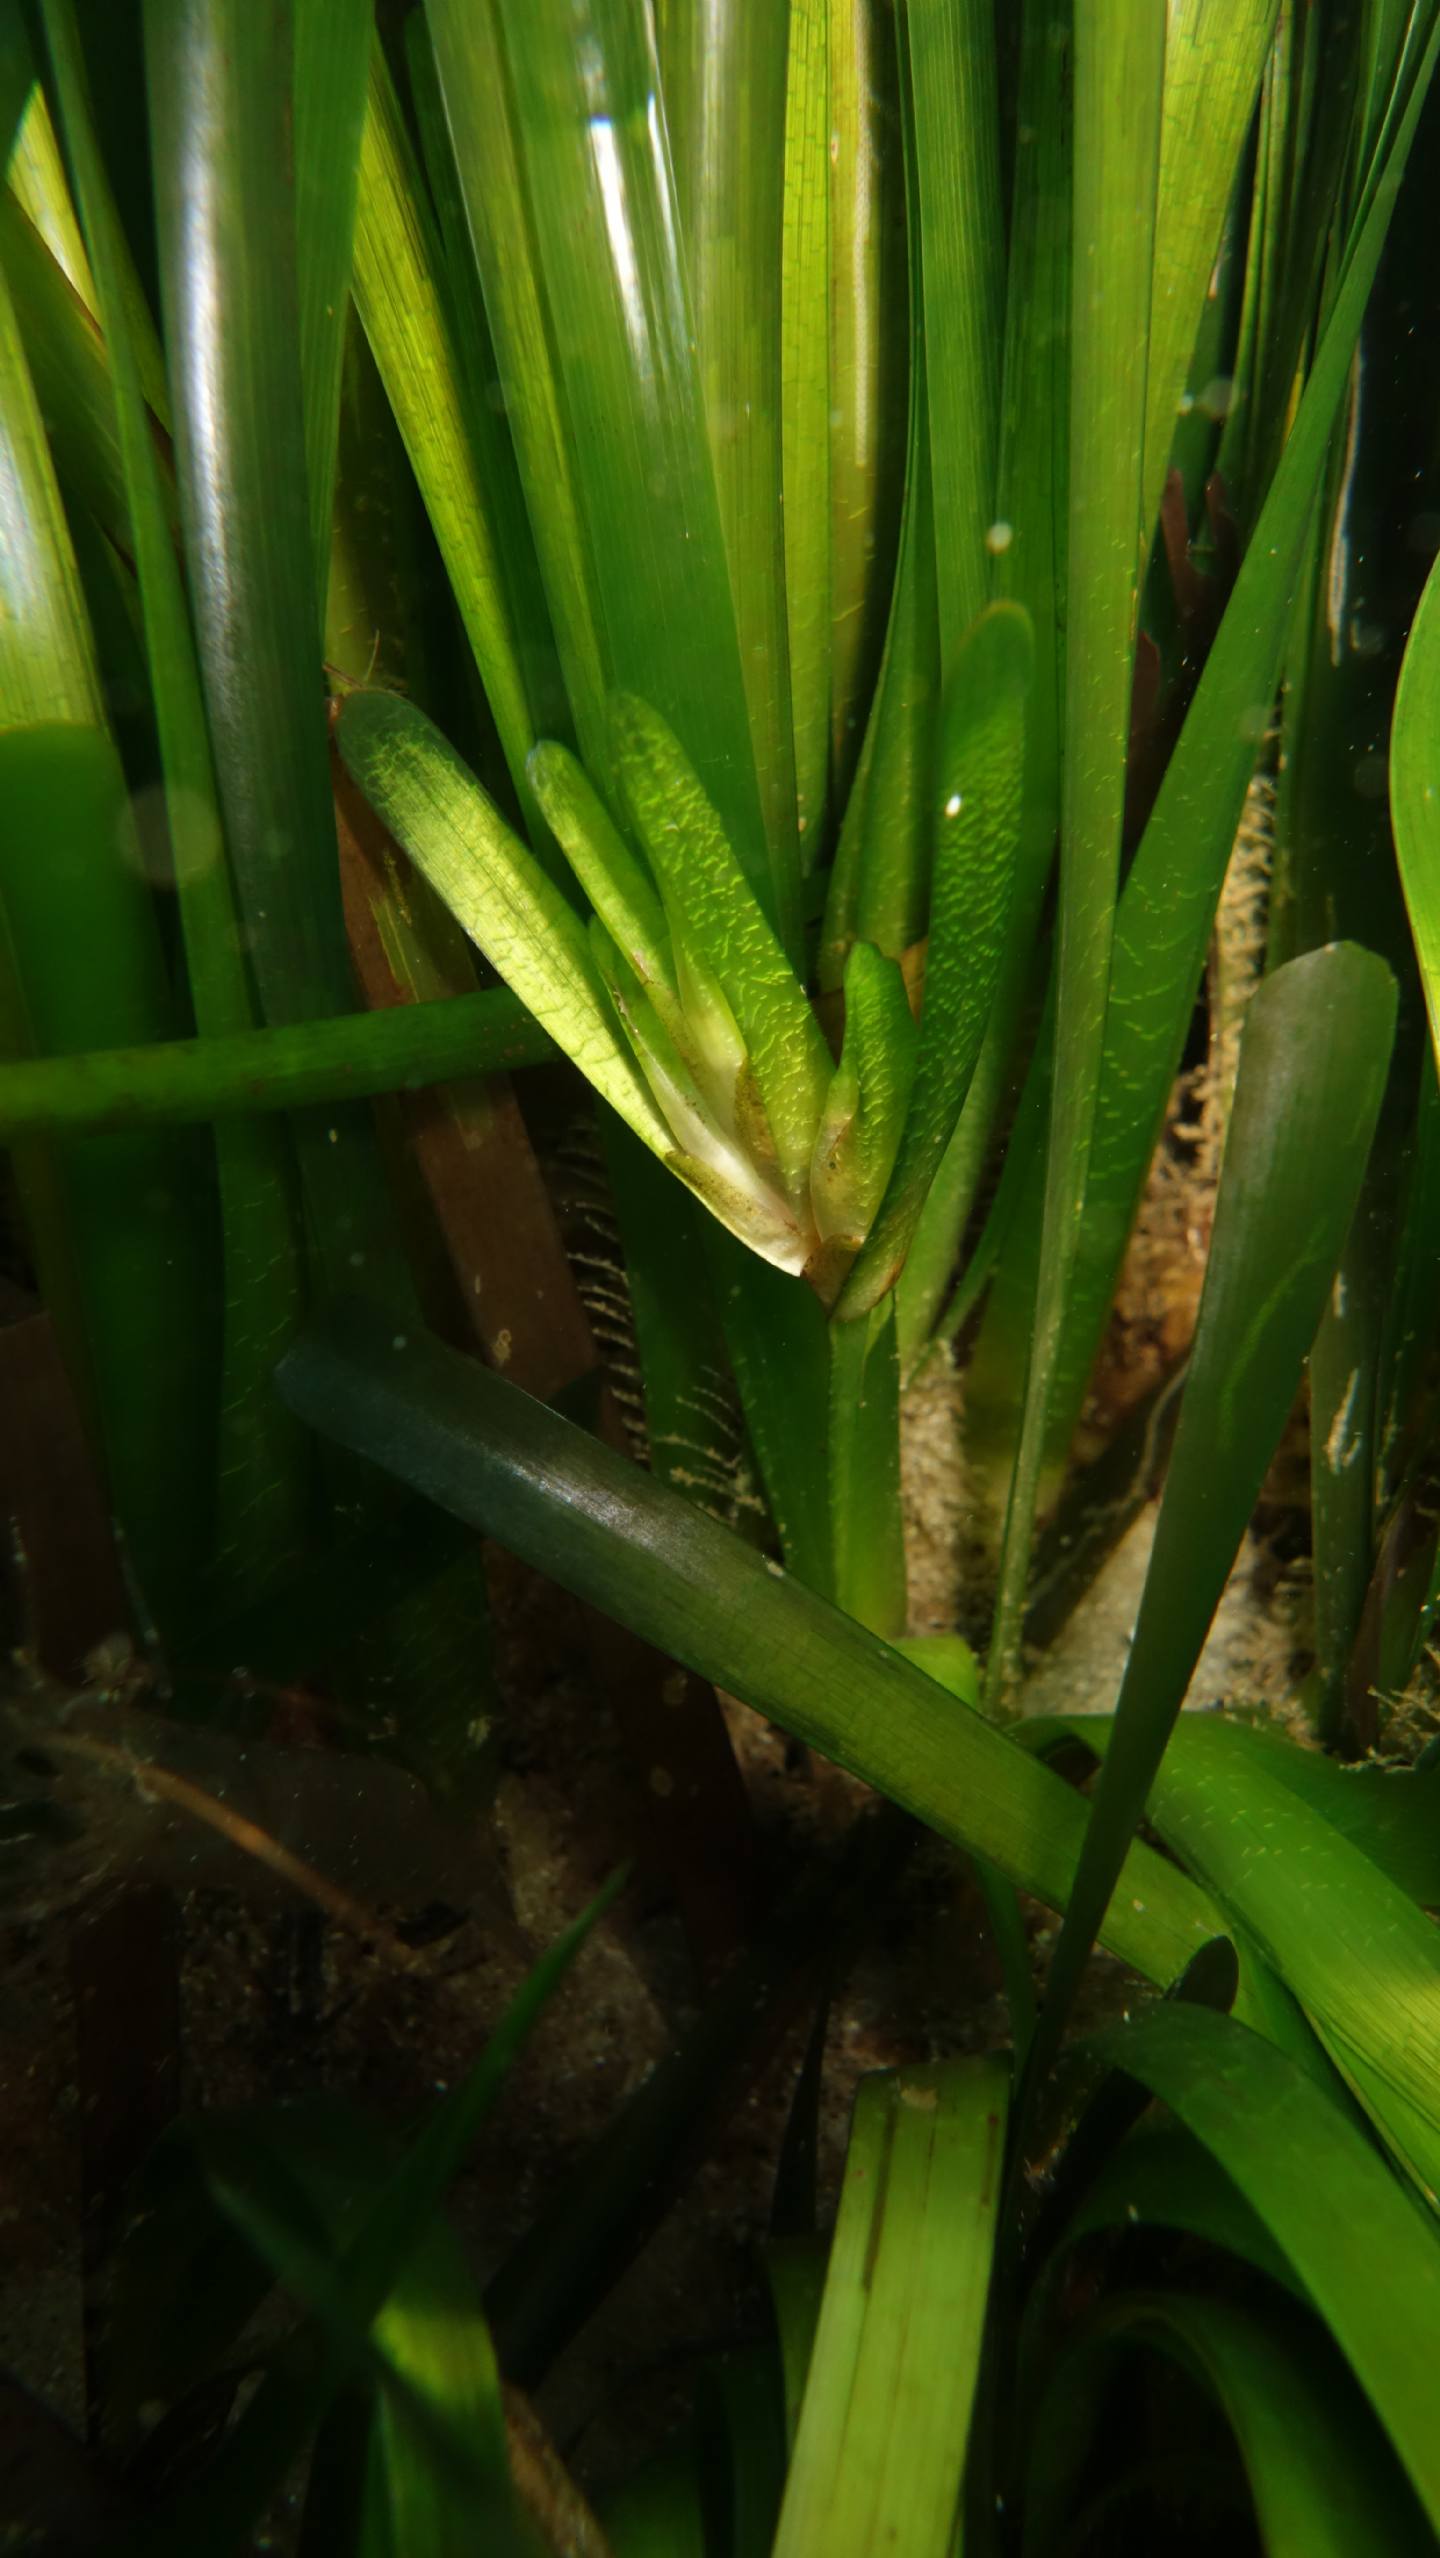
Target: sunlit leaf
(866, 1103)
(707, 891)
(453, 833)
(880, 2448)
(398, 292)
(1415, 790)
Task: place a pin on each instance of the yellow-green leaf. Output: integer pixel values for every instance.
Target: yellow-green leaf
(429, 799)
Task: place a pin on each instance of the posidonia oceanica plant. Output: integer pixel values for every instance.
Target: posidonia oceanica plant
(822, 605)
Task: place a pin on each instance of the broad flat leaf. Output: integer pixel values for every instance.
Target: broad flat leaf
(1314, 1059)
(866, 317)
(1030, 567)
(39, 179)
(47, 661)
(456, 836)
(399, 295)
(35, 170)
(1119, 61)
(480, 113)
(961, 240)
(706, 1027)
(1214, 58)
(1322, 2481)
(869, 1094)
(602, 861)
(220, 90)
(805, 408)
(1160, 2177)
(214, 963)
(1034, 466)
(880, 875)
(220, 99)
(1170, 893)
(1415, 790)
(606, 241)
(705, 887)
(716, 1167)
(880, 2448)
(439, 2467)
(946, 1657)
(258, 1470)
(1393, 1814)
(723, 66)
(1326, 2198)
(1360, 1955)
(1366, 2051)
(128, 1293)
(666, 1071)
(71, 372)
(487, 420)
(623, 1541)
(880, 879)
(978, 798)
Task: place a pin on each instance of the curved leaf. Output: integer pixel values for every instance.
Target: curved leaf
(1415, 790)
(432, 803)
(602, 861)
(1313, 1064)
(625, 1542)
(1321, 2479)
(705, 887)
(868, 1097)
(1326, 2198)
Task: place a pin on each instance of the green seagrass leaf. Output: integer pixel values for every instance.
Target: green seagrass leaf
(905, 2296)
(602, 861)
(417, 784)
(980, 790)
(701, 880)
(869, 1092)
